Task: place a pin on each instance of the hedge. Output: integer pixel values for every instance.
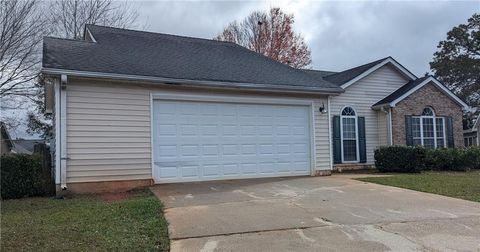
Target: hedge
(453, 159)
(416, 159)
(24, 175)
(400, 159)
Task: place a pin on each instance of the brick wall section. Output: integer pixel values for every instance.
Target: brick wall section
(428, 95)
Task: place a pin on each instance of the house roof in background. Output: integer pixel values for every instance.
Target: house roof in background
(136, 53)
(25, 145)
(5, 135)
(476, 125)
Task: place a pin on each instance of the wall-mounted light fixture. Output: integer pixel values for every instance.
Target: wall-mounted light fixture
(322, 109)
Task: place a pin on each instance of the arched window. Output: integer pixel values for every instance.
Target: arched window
(428, 112)
(349, 134)
(428, 130)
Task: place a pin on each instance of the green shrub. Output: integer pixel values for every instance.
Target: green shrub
(473, 153)
(400, 159)
(24, 175)
(455, 159)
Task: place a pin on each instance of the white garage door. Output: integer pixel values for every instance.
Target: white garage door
(199, 141)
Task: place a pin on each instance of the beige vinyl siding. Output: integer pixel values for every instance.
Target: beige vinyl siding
(362, 95)
(382, 127)
(108, 130)
(322, 146)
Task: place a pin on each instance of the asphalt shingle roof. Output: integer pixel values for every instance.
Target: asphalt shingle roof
(400, 91)
(320, 74)
(121, 51)
(348, 75)
(25, 145)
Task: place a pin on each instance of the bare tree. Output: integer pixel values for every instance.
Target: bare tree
(21, 29)
(70, 16)
(68, 19)
(271, 34)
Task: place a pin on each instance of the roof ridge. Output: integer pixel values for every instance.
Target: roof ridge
(161, 33)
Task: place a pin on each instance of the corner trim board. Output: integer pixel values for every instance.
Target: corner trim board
(330, 133)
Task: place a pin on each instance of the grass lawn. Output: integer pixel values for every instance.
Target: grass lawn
(463, 185)
(84, 223)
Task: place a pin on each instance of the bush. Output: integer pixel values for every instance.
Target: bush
(454, 159)
(400, 159)
(473, 153)
(24, 175)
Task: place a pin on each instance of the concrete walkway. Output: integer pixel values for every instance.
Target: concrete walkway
(315, 213)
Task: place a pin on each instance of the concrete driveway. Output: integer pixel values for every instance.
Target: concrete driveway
(315, 213)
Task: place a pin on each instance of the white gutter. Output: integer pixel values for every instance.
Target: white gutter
(219, 84)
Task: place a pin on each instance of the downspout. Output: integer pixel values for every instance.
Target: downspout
(63, 131)
(390, 127)
(57, 132)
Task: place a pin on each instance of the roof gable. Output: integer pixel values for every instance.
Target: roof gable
(351, 76)
(406, 90)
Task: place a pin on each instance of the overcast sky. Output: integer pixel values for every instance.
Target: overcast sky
(340, 34)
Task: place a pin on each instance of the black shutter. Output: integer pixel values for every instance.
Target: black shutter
(408, 130)
(450, 140)
(362, 143)
(337, 144)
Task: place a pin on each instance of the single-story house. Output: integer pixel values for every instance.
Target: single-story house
(12, 146)
(134, 108)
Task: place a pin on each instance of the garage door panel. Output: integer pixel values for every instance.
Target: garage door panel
(196, 141)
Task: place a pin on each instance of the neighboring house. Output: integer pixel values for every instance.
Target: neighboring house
(9, 145)
(471, 137)
(25, 146)
(6, 144)
(133, 108)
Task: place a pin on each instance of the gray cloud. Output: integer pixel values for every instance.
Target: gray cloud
(340, 34)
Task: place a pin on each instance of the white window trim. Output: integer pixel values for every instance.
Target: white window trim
(356, 135)
(433, 117)
(444, 132)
